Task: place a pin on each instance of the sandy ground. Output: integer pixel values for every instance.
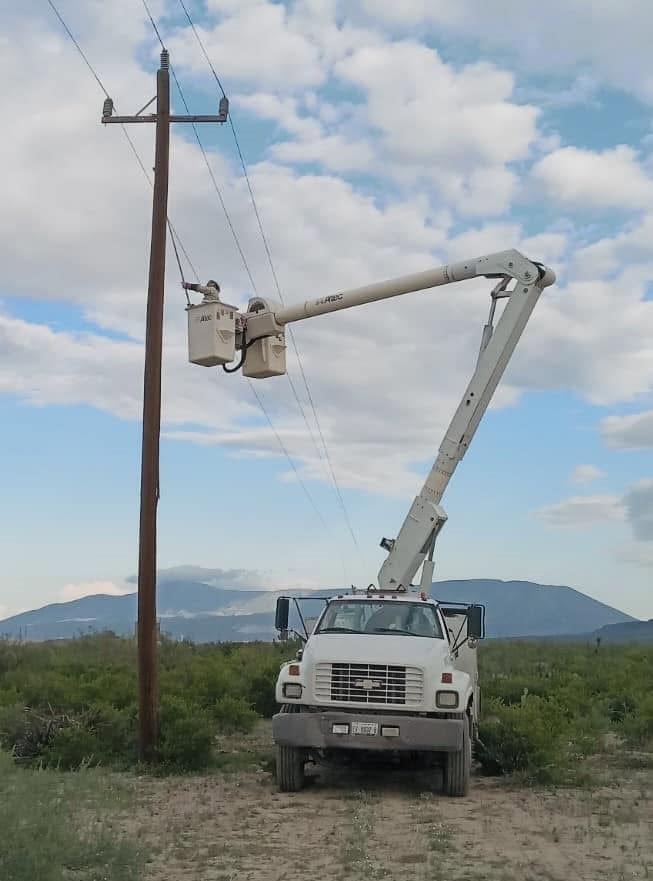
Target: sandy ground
(384, 823)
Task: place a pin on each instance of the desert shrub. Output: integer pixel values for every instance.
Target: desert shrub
(621, 706)
(529, 737)
(186, 736)
(233, 714)
(261, 690)
(546, 704)
(637, 724)
(14, 725)
(71, 703)
(71, 748)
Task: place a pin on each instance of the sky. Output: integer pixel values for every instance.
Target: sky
(380, 138)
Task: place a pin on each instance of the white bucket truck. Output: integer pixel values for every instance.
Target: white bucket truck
(386, 668)
(383, 670)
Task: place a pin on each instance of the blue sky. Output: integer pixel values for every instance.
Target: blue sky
(381, 138)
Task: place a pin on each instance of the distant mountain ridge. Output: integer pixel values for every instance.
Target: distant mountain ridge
(193, 609)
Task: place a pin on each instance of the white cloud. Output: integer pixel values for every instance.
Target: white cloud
(442, 123)
(585, 474)
(630, 246)
(77, 590)
(460, 128)
(634, 431)
(241, 579)
(583, 511)
(586, 179)
(285, 112)
(256, 43)
(638, 502)
(635, 508)
(397, 129)
(637, 554)
(594, 336)
(601, 39)
(334, 152)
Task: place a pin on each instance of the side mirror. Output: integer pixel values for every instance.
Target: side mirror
(282, 614)
(476, 622)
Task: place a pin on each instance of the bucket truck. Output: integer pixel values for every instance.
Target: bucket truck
(386, 668)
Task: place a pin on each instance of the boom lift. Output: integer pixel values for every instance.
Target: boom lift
(217, 330)
(382, 692)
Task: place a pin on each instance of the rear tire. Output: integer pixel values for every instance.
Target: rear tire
(290, 768)
(458, 766)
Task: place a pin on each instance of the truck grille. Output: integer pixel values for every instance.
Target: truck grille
(369, 684)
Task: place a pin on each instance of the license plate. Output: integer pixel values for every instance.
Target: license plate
(364, 728)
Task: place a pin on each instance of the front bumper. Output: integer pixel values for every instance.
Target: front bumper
(315, 730)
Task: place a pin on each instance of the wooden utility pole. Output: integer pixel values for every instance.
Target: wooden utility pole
(148, 696)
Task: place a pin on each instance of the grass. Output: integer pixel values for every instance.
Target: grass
(54, 827)
(355, 857)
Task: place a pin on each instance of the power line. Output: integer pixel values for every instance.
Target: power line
(268, 252)
(204, 156)
(215, 184)
(241, 252)
(153, 23)
(174, 235)
(284, 450)
(265, 241)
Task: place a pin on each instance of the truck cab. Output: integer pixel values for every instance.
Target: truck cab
(382, 671)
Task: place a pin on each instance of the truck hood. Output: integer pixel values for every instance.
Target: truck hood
(410, 651)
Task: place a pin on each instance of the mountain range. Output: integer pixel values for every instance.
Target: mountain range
(195, 609)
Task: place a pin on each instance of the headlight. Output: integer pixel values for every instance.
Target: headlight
(446, 700)
(292, 689)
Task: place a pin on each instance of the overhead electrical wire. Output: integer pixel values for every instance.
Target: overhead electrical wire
(284, 449)
(268, 252)
(176, 238)
(244, 261)
(204, 156)
(174, 235)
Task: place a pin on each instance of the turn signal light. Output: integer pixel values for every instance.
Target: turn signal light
(447, 678)
(293, 670)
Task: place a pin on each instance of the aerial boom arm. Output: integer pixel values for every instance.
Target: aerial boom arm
(265, 318)
(216, 330)
(414, 544)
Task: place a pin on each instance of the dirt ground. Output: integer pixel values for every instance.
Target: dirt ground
(383, 823)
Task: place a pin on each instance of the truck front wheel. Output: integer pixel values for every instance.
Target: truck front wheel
(290, 768)
(458, 765)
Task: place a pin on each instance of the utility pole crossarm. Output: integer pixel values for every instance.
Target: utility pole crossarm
(108, 117)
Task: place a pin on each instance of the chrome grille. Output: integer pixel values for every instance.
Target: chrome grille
(369, 684)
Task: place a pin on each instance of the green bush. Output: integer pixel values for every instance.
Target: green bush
(186, 736)
(72, 748)
(637, 724)
(528, 737)
(233, 714)
(73, 703)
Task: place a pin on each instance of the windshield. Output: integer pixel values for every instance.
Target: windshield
(377, 616)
